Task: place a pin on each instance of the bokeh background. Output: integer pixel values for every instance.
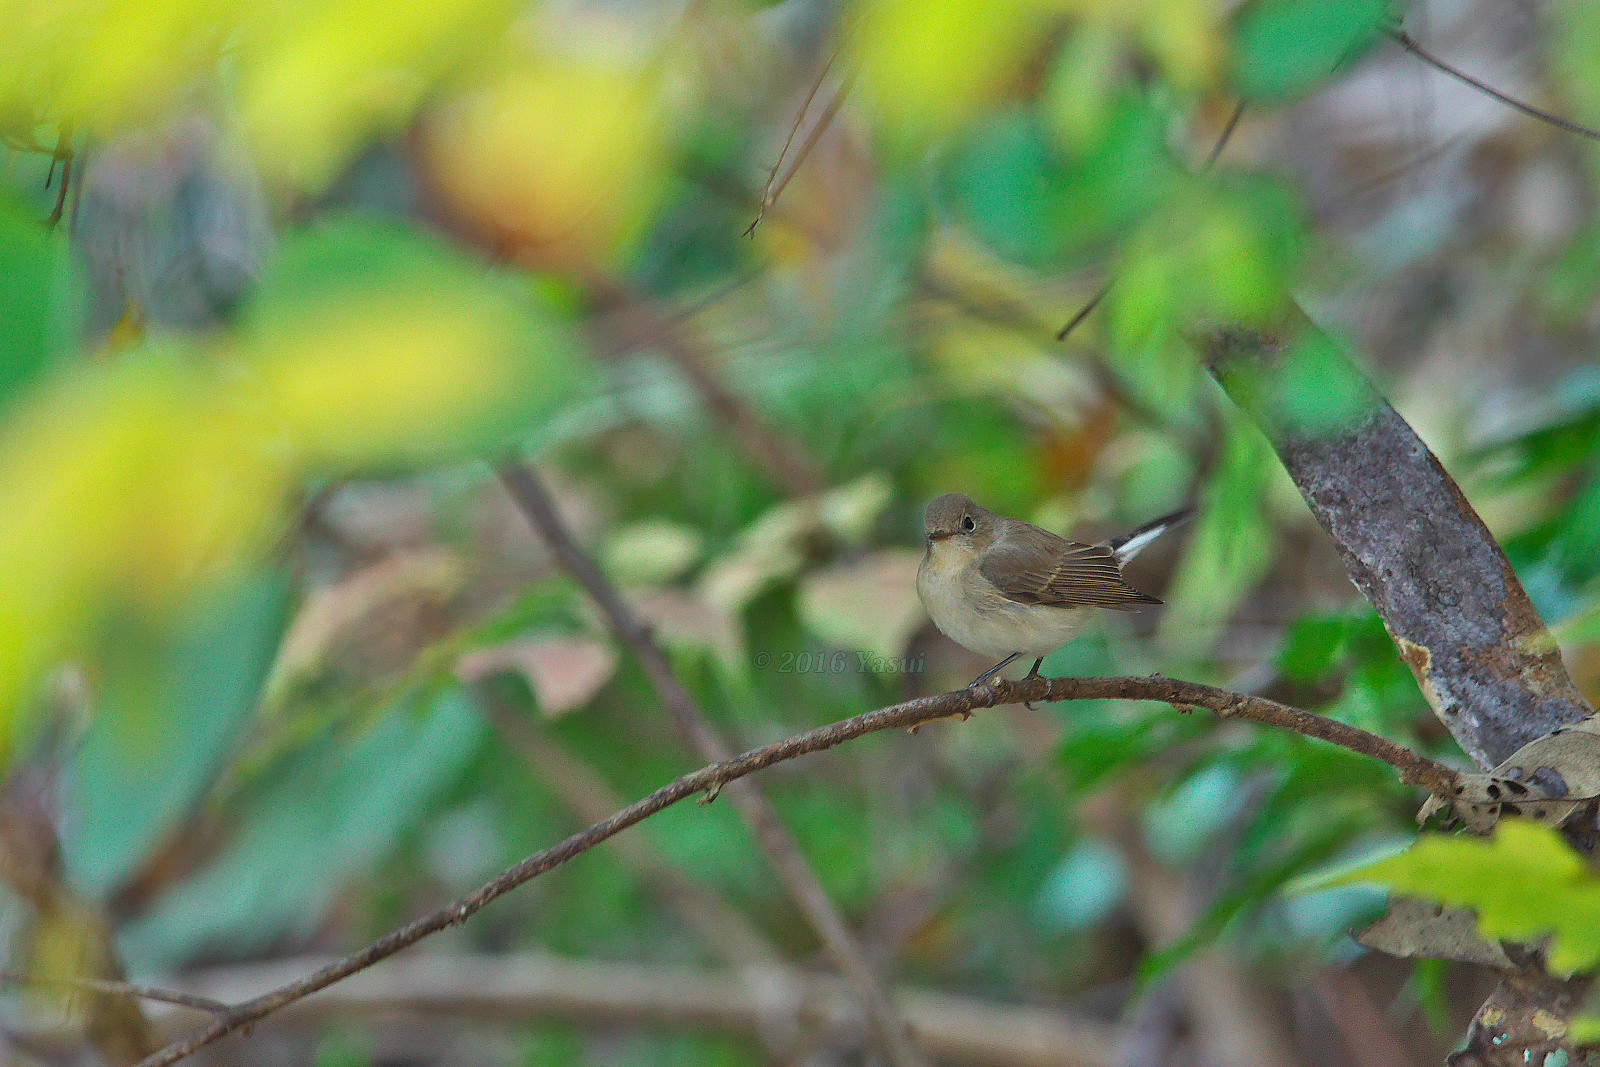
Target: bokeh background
(281, 666)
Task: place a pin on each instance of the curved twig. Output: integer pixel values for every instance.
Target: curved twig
(772, 836)
(775, 186)
(1409, 43)
(105, 987)
(1413, 768)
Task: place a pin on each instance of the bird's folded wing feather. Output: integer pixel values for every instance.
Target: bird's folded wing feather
(1034, 566)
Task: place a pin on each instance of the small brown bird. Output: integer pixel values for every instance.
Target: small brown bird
(1003, 587)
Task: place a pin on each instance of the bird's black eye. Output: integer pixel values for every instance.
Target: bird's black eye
(968, 524)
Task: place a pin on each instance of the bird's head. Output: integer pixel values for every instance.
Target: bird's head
(955, 516)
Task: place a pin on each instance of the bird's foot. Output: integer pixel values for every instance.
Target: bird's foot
(980, 679)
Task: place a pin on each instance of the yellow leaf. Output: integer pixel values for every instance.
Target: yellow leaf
(388, 376)
(318, 76)
(556, 159)
(103, 64)
(128, 484)
(926, 66)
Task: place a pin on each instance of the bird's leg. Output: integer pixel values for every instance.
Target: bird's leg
(979, 680)
(965, 715)
(1033, 672)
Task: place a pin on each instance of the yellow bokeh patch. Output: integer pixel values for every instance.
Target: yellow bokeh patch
(136, 483)
(557, 157)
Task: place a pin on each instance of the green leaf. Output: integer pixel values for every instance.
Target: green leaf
(334, 811)
(169, 712)
(1319, 391)
(1097, 746)
(1313, 646)
(374, 342)
(1585, 1030)
(1118, 176)
(1209, 249)
(1004, 181)
(41, 299)
(1523, 882)
(1231, 547)
(1285, 47)
(1574, 36)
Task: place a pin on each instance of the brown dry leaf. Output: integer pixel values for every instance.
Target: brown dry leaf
(867, 605)
(369, 626)
(682, 620)
(564, 672)
(1546, 780)
(772, 548)
(1421, 929)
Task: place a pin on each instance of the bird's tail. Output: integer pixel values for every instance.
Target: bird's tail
(1129, 545)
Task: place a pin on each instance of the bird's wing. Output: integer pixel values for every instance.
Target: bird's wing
(1034, 566)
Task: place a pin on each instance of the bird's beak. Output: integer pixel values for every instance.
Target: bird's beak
(937, 535)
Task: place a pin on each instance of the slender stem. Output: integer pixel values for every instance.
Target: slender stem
(1409, 43)
(1217, 146)
(772, 836)
(63, 153)
(774, 188)
(781, 458)
(1416, 769)
(1083, 312)
(117, 989)
(1224, 137)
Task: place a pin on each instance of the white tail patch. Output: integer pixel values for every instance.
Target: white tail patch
(1125, 548)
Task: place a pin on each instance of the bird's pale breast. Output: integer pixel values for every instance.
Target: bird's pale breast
(968, 609)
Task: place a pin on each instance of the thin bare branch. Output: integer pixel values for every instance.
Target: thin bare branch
(722, 928)
(752, 1000)
(63, 153)
(1409, 43)
(774, 188)
(1223, 137)
(117, 989)
(772, 836)
(1414, 769)
(1083, 312)
(780, 457)
(1217, 147)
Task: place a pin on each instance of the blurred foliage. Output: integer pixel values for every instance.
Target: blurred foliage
(1522, 883)
(1289, 46)
(316, 262)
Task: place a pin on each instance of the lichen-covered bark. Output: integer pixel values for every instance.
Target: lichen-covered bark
(1412, 543)
(1418, 551)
